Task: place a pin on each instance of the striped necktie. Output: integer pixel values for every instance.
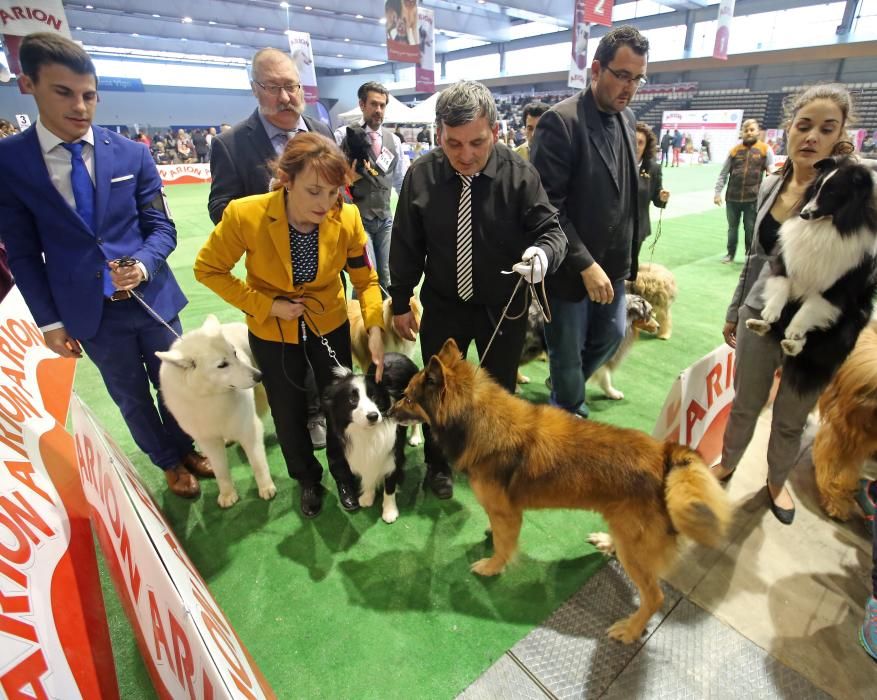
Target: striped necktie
(464, 240)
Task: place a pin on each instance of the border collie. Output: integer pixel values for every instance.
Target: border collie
(821, 290)
(356, 410)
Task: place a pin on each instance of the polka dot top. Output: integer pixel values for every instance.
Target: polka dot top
(305, 254)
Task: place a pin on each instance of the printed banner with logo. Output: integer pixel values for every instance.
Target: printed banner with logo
(697, 407)
(18, 19)
(721, 127)
(403, 38)
(723, 29)
(424, 74)
(303, 56)
(599, 12)
(581, 31)
(188, 644)
(184, 173)
(53, 626)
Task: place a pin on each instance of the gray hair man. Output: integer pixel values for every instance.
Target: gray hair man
(468, 211)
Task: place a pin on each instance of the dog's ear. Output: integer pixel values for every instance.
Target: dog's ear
(450, 353)
(176, 358)
(825, 165)
(211, 325)
(435, 371)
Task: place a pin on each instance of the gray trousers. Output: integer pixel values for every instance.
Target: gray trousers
(758, 358)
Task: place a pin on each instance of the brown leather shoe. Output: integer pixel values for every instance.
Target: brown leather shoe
(199, 465)
(181, 482)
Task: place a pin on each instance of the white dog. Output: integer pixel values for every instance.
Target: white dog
(209, 381)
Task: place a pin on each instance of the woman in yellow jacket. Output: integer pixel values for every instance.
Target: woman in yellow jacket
(295, 241)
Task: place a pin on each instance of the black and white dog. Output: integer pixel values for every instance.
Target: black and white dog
(358, 148)
(821, 290)
(356, 408)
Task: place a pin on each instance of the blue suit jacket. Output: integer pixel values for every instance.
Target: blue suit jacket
(57, 261)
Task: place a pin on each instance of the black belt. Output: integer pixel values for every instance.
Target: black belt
(120, 295)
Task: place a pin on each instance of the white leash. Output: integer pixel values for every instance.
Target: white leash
(153, 313)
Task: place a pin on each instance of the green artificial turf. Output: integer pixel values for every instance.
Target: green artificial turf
(345, 606)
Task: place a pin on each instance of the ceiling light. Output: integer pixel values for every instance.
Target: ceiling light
(382, 20)
(261, 29)
(78, 29)
(284, 5)
(184, 39)
(346, 39)
(482, 2)
(228, 43)
(339, 55)
(308, 8)
(187, 20)
(156, 16)
(135, 34)
(358, 16)
(89, 7)
(346, 70)
(384, 44)
(211, 22)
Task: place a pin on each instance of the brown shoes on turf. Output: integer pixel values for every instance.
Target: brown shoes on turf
(181, 478)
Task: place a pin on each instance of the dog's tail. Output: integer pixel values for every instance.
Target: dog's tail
(697, 504)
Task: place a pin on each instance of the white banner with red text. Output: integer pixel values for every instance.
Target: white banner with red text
(723, 29)
(54, 639)
(188, 644)
(581, 31)
(721, 127)
(424, 73)
(303, 57)
(698, 404)
(18, 19)
(184, 173)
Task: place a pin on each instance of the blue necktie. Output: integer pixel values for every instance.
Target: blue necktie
(83, 194)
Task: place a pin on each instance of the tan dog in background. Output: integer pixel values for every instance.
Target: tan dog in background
(518, 456)
(847, 434)
(657, 285)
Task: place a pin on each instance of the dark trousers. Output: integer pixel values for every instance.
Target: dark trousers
(465, 322)
(283, 367)
(665, 156)
(124, 352)
(734, 210)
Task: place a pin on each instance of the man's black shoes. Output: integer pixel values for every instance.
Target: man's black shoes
(311, 500)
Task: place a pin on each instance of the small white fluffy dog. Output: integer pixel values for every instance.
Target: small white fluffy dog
(209, 382)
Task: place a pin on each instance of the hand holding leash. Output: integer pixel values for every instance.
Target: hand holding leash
(287, 309)
(533, 265)
(125, 273)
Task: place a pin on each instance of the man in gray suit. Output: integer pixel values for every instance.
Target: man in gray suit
(239, 159)
(584, 149)
(371, 195)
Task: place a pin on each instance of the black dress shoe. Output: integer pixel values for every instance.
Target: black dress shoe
(784, 515)
(348, 497)
(441, 484)
(311, 500)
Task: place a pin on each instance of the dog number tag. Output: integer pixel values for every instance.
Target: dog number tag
(384, 160)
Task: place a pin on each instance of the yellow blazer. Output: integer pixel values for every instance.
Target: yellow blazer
(256, 227)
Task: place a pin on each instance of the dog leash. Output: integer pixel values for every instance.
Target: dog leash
(128, 261)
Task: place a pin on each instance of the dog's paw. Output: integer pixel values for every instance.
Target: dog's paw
(791, 346)
(390, 514)
(603, 542)
(487, 567)
(416, 436)
(268, 491)
(228, 499)
(614, 394)
(663, 336)
(367, 498)
(758, 326)
(625, 631)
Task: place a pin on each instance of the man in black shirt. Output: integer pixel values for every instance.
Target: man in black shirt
(584, 149)
(468, 211)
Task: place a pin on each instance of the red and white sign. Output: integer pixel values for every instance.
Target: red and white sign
(424, 73)
(723, 29)
(581, 32)
(190, 648)
(599, 12)
(697, 407)
(184, 173)
(18, 19)
(54, 640)
(303, 56)
(720, 126)
(403, 37)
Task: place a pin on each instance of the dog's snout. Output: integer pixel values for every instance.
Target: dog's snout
(806, 215)
(373, 416)
(257, 376)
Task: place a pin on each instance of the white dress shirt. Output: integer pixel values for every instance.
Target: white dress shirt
(58, 160)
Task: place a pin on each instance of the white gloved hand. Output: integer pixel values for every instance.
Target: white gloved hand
(533, 266)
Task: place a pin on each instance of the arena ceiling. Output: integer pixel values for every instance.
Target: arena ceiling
(344, 33)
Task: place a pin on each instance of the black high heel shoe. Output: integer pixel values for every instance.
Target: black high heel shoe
(784, 515)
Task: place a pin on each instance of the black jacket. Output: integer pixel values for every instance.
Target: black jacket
(650, 186)
(239, 162)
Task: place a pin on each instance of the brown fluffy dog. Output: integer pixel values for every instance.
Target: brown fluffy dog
(848, 431)
(392, 340)
(520, 455)
(657, 285)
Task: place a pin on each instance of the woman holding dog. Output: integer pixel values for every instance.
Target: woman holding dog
(816, 129)
(295, 242)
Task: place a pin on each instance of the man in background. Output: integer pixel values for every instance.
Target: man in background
(371, 195)
(666, 143)
(744, 169)
(531, 115)
(239, 159)
(74, 200)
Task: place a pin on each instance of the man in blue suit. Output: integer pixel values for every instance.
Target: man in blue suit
(74, 200)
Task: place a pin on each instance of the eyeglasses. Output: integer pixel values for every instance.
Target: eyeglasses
(625, 77)
(274, 90)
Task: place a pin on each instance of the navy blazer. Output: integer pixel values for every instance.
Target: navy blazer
(57, 260)
(573, 159)
(239, 162)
